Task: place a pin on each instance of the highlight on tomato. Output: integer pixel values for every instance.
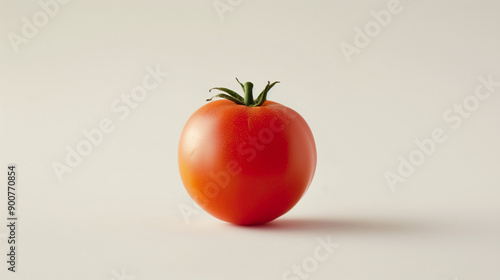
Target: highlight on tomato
(246, 161)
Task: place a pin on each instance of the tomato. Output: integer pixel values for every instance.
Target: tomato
(246, 161)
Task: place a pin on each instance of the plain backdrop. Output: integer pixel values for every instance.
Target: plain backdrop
(118, 214)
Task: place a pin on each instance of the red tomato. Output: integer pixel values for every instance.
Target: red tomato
(246, 161)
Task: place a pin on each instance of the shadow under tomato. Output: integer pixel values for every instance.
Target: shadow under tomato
(346, 225)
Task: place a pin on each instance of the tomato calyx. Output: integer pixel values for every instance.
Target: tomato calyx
(248, 99)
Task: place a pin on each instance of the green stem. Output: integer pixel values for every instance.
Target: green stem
(247, 100)
(249, 94)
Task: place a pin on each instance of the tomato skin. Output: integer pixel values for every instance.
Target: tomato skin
(246, 165)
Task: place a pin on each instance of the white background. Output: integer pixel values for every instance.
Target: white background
(117, 215)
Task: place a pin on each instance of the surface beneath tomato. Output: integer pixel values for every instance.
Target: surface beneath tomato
(246, 165)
